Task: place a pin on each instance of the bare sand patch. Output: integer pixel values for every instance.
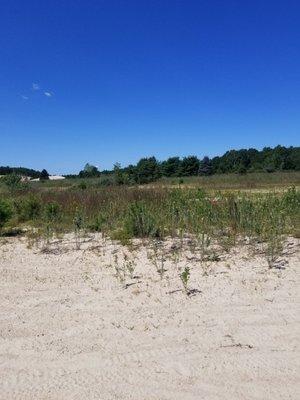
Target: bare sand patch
(70, 329)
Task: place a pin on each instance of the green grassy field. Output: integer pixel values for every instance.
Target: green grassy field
(256, 180)
(262, 180)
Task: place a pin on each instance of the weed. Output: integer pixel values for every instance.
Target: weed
(78, 226)
(124, 212)
(140, 222)
(51, 216)
(129, 266)
(185, 277)
(120, 273)
(156, 255)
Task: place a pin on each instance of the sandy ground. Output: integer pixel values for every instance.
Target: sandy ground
(70, 329)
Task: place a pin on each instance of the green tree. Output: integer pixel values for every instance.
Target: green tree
(89, 171)
(118, 174)
(205, 166)
(44, 175)
(130, 174)
(171, 167)
(147, 170)
(190, 166)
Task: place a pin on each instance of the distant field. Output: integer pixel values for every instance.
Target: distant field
(253, 182)
(262, 180)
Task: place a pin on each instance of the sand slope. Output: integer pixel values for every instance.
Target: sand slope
(70, 330)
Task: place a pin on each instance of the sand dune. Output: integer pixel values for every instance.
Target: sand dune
(70, 329)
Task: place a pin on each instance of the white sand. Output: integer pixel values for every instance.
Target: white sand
(70, 330)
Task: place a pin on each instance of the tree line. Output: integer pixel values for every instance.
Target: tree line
(241, 161)
(20, 171)
(149, 169)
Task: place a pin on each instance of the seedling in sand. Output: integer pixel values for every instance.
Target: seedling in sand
(185, 276)
(157, 258)
(120, 272)
(129, 266)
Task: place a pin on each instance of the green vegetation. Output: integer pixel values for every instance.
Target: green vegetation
(255, 180)
(89, 171)
(185, 276)
(239, 162)
(44, 175)
(5, 212)
(20, 171)
(13, 182)
(205, 206)
(124, 212)
(232, 162)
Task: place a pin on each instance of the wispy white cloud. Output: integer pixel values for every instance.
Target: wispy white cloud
(35, 86)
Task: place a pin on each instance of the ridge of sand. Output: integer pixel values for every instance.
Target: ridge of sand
(70, 330)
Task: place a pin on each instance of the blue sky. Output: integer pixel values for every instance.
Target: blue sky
(110, 80)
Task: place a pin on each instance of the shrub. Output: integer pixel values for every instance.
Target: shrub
(82, 185)
(5, 212)
(96, 225)
(139, 221)
(52, 212)
(105, 182)
(14, 182)
(30, 208)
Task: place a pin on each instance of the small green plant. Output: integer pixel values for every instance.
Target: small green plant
(52, 212)
(33, 237)
(185, 277)
(122, 236)
(204, 242)
(78, 222)
(51, 216)
(129, 266)
(156, 256)
(97, 223)
(176, 255)
(274, 250)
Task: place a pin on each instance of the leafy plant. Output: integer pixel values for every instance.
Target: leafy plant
(185, 277)
(78, 222)
(156, 256)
